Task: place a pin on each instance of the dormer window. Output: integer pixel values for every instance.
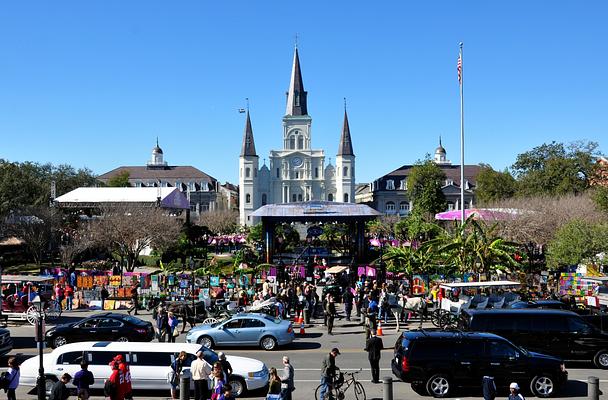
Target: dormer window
(390, 184)
(467, 186)
(449, 182)
(403, 184)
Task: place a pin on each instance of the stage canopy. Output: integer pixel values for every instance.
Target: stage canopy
(90, 197)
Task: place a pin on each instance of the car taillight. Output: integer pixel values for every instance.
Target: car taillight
(405, 366)
(289, 329)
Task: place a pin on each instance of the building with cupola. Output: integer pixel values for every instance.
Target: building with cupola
(296, 172)
(389, 193)
(203, 192)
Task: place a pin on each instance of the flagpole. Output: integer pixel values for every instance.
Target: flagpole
(462, 219)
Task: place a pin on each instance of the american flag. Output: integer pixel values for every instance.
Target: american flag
(460, 69)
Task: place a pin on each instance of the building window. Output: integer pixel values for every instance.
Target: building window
(346, 197)
(263, 199)
(278, 172)
(300, 197)
(330, 197)
(404, 207)
(292, 142)
(255, 172)
(294, 198)
(316, 172)
(345, 171)
(247, 198)
(449, 182)
(300, 142)
(403, 184)
(247, 172)
(390, 185)
(389, 207)
(297, 175)
(297, 99)
(467, 186)
(450, 206)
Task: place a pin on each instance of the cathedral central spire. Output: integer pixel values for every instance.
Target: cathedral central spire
(296, 96)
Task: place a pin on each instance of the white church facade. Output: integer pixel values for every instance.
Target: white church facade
(297, 172)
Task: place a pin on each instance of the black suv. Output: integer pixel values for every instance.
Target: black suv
(562, 334)
(436, 362)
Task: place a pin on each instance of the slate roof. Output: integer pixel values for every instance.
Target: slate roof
(163, 173)
(451, 172)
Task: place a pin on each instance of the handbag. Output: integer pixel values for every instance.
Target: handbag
(175, 333)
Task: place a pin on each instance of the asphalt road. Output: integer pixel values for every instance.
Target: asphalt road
(306, 354)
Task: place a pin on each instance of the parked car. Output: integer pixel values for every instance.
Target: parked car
(104, 326)
(550, 304)
(437, 362)
(6, 343)
(150, 364)
(245, 329)
(559, 333)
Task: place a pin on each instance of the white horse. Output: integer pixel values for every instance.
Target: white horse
(416, 305)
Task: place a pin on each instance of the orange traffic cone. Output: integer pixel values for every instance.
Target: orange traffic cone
(379, 330)
(302, 330)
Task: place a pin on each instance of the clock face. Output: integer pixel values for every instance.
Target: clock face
(296, 161)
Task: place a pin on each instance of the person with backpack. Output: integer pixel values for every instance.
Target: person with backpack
(60, 390)
(10, 378)
(82, 380)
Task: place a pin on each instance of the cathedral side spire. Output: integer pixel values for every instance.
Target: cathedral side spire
(296, 96)
(248, 148)
(346, 147)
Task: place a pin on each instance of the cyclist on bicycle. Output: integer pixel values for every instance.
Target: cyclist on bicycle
(328, 372)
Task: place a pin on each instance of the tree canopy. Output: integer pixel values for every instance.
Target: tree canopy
(120, 180)
(424, 188)
(494, 185)
(577, 241)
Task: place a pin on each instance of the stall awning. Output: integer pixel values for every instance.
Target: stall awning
(336, 270)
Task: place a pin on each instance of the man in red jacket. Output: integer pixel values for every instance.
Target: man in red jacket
(126, 388)
(113, 386)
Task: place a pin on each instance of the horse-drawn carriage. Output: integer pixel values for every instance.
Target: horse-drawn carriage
(458, 297)
(17, 293)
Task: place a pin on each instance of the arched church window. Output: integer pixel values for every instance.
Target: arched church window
(346, 197)
(247, 198)
(330, 197)
(300, 142)
(345, 171)
(292, 142)
(264, 199)
(247, 172)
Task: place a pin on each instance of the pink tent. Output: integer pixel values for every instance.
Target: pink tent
(487, 214)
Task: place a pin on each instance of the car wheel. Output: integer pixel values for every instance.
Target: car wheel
(238, 386)
(49, 381)
(439, 385)
(205, 341)
(59, 341)
(123, 339)
(268, 343)
(542, 386)
(601, 359)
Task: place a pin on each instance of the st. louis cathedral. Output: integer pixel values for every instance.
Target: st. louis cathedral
(297, 172)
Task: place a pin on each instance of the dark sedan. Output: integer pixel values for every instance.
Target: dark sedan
(551, 304)
(101, 327)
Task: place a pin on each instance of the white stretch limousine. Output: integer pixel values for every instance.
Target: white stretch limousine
(150, 364)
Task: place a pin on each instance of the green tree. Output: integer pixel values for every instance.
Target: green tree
(556, 169)
(600, 198)
(576, 242)
(424, 189)
(120, 180)
(493, 185)
(415, 227)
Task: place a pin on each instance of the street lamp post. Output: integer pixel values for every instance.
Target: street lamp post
(192, 276)
(40, 381)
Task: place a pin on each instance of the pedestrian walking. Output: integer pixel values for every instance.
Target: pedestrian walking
(328, 372)
(347, 298)
(112, 388)
(218, 381)
(200, 370)
(331, 314)
(11, 378)
(125, 385)
(287, 379)
(59, 390)
(59, 294)
(515, 395)
(134, 299)
(274, 384)
(83, 379)
(104, 296)
(374, 347)
(172, 322)
(69, 297)
(488, 387)
(162, 324)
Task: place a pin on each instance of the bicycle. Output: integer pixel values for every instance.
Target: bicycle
(341, 385)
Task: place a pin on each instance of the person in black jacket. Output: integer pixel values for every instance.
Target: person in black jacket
(59, 390)
(347, 298)
(374, 347)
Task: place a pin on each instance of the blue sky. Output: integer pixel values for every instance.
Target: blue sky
(93, 83)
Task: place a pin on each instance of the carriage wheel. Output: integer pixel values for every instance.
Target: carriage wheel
(52, 310)
(436, 316)
(209, 321)
(32, 315)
